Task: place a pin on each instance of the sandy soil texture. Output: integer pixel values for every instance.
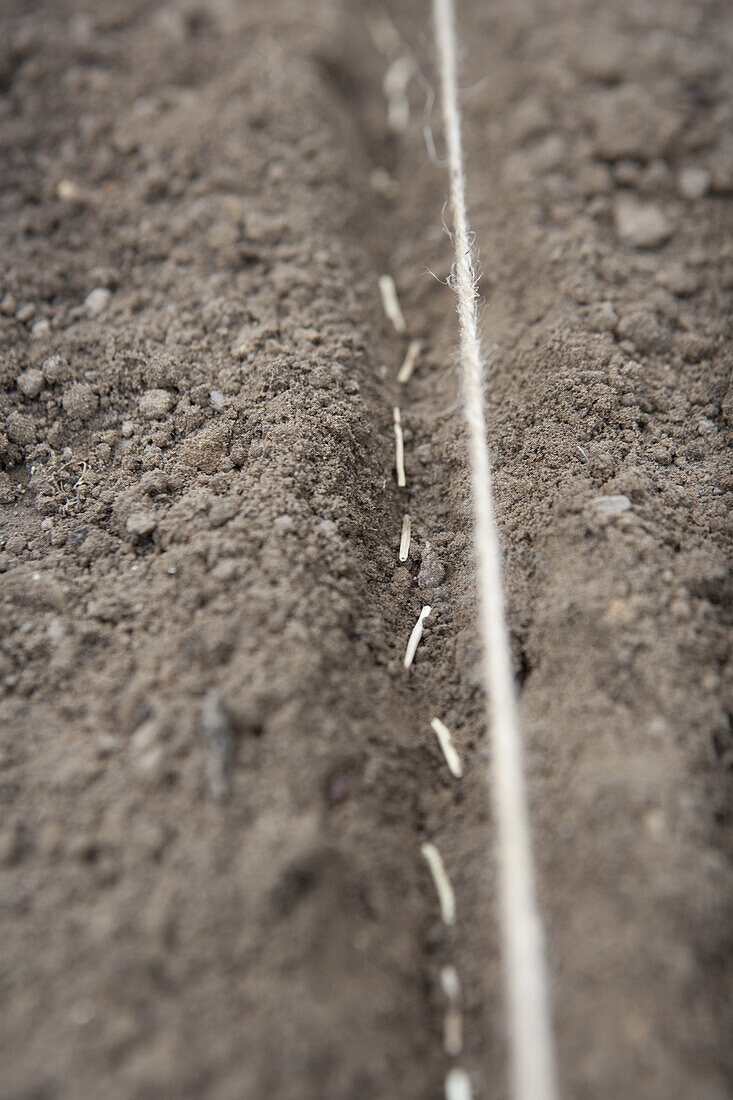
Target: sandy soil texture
(215, 774)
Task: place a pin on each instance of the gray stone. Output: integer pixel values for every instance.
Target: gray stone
(97, 301)
(641, 224)
(693, 183)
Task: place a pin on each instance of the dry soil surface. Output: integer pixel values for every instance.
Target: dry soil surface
(215, 775)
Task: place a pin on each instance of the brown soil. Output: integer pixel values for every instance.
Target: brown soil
(215, 774)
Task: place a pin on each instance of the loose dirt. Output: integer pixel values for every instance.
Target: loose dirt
(215, 774)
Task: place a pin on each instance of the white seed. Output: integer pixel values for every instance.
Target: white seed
(450, 983)
(383, 32)
(446, 897)
(405, 372)
(399, 448)
(453, 1021)
(453, 1032)
(390, 302)
(67, 190)
(445, 741)
(405, 539)
(415, 636)
(381, 181)
(395, 85)
(458, 1085)
(398, 76)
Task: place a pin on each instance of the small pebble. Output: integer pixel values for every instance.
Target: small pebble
(641, 224)
(8, 305)
(67, 191)
(40, 329)
(26, 313)
(82, 1012)
(693, 183)
(217, 399)
(381, 181)
(97, 301)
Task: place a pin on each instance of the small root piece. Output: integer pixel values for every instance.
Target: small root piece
(405, 538)
(399, 448)
(414, 639)
(446, 897)
(405, 372)
(391, 303)
(445, 741)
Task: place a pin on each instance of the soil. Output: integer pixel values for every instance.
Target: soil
(215, 774)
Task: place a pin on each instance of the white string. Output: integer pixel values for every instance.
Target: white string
(530, 1030)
